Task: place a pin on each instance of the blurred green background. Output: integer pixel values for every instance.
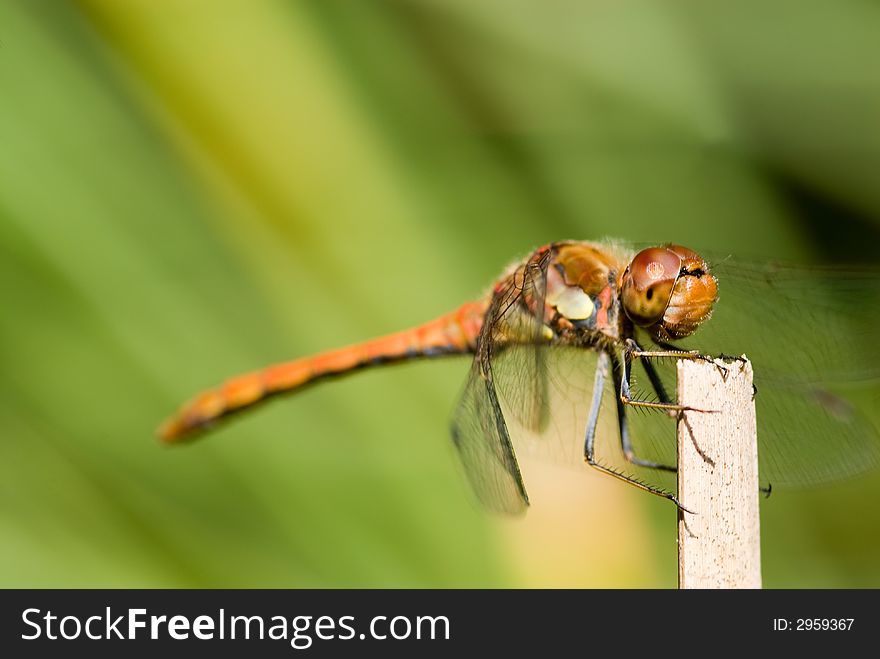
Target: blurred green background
(191, 189)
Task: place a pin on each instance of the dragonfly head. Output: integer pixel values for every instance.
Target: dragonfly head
(669, 291)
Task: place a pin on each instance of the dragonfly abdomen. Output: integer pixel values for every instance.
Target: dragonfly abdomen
(453, 333)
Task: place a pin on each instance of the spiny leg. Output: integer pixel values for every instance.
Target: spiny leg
(625, 443)
(673, 348)
(656, 382)
(589, 439)
(633, 351)
(668, 347)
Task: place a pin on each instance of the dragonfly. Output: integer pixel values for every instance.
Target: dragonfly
(589, 329)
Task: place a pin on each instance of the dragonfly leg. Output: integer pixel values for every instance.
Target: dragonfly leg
(625, 443)
(590, 438)
(633, 351)
(656, 382)
(695, 354)
(669, 351)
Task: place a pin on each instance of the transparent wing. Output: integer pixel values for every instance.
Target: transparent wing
(570, 375)
(489, 434)
(802, 324)
(514, 320)
(480, 435)
(809, 434)
(568, 389)
(515, 337)
(812, 335)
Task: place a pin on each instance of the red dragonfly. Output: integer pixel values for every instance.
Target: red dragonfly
(811, 334)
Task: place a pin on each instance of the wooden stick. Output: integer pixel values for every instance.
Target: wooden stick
(719, 544)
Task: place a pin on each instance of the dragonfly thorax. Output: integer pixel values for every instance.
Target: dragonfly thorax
(581, 297)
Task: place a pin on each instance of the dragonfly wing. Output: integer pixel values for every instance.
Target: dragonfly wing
(567, 379)
(802, 324)
(513, 339)
(480, 434)
(812, 336)
(810, 434)
(513, 325)
(570, 382)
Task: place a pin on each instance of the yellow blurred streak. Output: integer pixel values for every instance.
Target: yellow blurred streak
(253, 86)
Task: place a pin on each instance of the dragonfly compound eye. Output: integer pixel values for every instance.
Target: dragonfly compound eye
(648, 283)
(669, 291)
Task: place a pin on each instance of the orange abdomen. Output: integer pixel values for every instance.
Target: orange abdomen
(453, 333)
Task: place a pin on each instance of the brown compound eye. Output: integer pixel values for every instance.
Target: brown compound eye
(647, 284)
